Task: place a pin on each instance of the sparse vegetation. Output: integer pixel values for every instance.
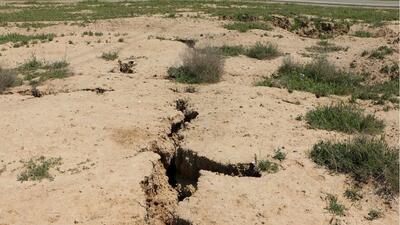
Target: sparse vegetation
(324, 46)
(363, 158)
(363, 34)
(344, 118)
(334, 206)
(245, 26)
(109, 56)
(319, 77)
(37, 71)
(381, 52)
(265, 165)
(20, 38)
(279, 155)
(229, 50)
(120, 40)
(374, 214)
(108, 10)
(323, 78)
(391, 69)
(354, 194)
(38, 169)
(263, 51)
(199, 66)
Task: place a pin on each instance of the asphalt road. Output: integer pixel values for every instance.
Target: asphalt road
(361, 3)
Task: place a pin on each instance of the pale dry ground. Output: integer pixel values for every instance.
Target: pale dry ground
(236, 121)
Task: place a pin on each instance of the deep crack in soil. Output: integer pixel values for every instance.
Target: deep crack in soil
(175, 175)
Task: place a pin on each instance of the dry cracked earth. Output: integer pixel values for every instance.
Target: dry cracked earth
(141, 149)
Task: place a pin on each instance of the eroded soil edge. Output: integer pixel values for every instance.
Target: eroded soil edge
(174, 177)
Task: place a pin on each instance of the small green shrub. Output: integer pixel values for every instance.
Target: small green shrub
(263, 51)
(199, 66)
(38, 169)
(363, 158)
(32, 64)
(245, 26)
(267, 166)
(354, 194)
(334, 206)
(374, 214)
(363, 34)
(279, 155)
(381, 52)
(109, 56)
(344, 118)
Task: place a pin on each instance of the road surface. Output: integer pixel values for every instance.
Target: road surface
(361, 3)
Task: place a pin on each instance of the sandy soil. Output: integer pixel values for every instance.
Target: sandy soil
(106, 141)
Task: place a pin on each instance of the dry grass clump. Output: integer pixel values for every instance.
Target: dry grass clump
(203, 65)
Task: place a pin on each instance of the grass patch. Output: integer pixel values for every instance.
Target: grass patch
(228, 50)
(390, 69)
(245, 26)
(33, 25)
(279, 155)
(379, 92)
(263, 51)
(8, 78)
(323, 78)
(38, 169)
(334, 206)
(319, 77)
(363, 34)
(343, 118)
(354, 194)
(381, 52)
(265, 165)
(324, 46)
(37, 71)
(363, 159)
(374, 214)
(227, 9)
(109, 56)
(199, 66)
(14, 37)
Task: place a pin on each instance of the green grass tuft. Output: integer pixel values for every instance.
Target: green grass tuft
(334, 206)
(363, 159)
(374, 214)
(363, 34)
(38, 169)
(279, 155)
(228, 50)
(354, 194)
(344, 118)
(263, 51)
(319, 77)
(109, 56)
(381, 52)
(267, 166)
